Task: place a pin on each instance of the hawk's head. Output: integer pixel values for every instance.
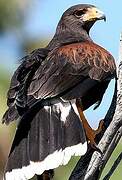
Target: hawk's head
(81, 16)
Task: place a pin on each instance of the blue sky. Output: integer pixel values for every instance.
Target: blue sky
(41, 20)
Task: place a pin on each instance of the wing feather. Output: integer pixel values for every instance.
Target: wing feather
(17, 94)
(69, 65)
(45, 74)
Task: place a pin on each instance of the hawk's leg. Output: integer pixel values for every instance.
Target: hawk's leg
(90, 133)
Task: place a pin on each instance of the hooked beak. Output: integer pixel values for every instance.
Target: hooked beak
(101, 16)
(94, 14)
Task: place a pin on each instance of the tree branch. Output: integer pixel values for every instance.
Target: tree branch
(92, 164)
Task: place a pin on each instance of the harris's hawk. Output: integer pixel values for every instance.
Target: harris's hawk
(49, 92)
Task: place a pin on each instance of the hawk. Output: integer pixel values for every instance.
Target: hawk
(49, 92)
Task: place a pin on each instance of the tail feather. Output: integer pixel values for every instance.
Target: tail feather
(46, 141)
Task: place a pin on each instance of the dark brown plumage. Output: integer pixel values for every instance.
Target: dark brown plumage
(44, 90)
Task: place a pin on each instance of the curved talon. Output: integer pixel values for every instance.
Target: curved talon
(91, 133)
(94, 146)
(100, 127)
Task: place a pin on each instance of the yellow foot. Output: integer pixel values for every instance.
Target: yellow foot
(90, 133)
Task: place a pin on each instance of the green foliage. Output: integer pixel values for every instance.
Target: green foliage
(10, 15)
(4, 84)
(118, 173)
(4, 78)
(30, 44)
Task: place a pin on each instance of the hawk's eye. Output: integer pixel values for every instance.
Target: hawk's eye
(79, 13)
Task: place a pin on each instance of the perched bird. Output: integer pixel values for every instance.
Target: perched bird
(49, 92)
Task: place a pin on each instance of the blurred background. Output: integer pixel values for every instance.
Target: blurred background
(29, 24)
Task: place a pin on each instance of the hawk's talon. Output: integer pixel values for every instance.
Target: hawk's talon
(95, 133)
(101, 126)
(90, 133)
(94, 146)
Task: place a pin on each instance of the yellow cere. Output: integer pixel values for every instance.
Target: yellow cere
(92, 13)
